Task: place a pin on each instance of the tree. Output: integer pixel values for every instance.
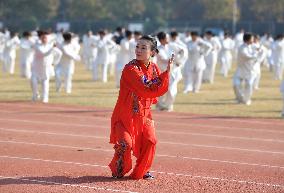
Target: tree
(218, 9)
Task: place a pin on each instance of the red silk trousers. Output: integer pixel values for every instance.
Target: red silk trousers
(142, 143)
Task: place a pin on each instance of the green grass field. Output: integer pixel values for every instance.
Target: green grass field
(216, 99)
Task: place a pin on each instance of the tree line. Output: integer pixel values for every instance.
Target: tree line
(158, 12)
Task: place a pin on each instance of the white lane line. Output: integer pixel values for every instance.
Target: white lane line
(222, 161)
(162, 142)
(52, 161)
(52, 133)
(102, 126)
(159, 172)
(58, 146)
(156, 115)
(230, 119)
(53, 123)
(27, 179)
(172, 123)
(158, 155)
(221, 179)
(222, 136)
(222, 147)
(158, 122)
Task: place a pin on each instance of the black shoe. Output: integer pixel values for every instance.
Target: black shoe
(116, 176)
(148, 176)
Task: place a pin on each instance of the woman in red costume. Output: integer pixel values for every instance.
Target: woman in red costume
(132, 127)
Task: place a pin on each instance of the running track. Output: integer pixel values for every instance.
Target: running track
(58, 148)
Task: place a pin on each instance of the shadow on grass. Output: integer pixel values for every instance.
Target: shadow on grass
(54, 180)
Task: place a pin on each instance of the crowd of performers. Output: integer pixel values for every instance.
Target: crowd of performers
(43, 55)
(147, 71)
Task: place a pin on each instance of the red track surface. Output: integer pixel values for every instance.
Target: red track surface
(58, 148)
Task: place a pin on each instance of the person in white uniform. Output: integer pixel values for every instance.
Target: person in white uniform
(258, 47)
(166, 49)
(2, 46)
(10, 53)
(282, 91)
(267, 41)
(89, 51)
(26, 55)
(212, 58)
(132, 44)
(278, 57)
(104, 45)
(226, 54)
(245, 75)
(238, 42)
(195, 65)
(65, 68)
(46, 54)
(123, 56)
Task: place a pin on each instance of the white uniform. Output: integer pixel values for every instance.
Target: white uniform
(211, 60)
(26, 57)
(2, 46)
(226, 56)
(245, 73)
(45, 56)
(282, 91)
(267, 42)
(104, 46)
(257, 68)
(278, 58)
(89, 51)
(10, 54)
(66, 66)
(238, 42)
(167, 100)
(123, 57)
(195, 64)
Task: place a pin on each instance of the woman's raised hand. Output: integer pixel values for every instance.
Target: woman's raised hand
(170, 62)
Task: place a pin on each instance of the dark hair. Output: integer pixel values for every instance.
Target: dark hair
(153, 41)
(27, 34)
(209, 32)
(102, 32)
(67, 36)
(161, 36)
(128, 33)
(279, 37)
(137, 33)
(41, 33)
(247, 37)
(174, 34)
(194, 33)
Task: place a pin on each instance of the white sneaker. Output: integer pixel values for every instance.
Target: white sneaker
(248, 102)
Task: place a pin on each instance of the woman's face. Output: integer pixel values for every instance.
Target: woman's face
(143, 50)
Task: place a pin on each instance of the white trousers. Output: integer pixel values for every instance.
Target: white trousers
(67, 77)
(193, 80)
(243, 88)
(104, 71)
(167, 100)
(278, 71)
(9, 64)
(226, 64)
(25, 69)
(209, 72)
(45, 88)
